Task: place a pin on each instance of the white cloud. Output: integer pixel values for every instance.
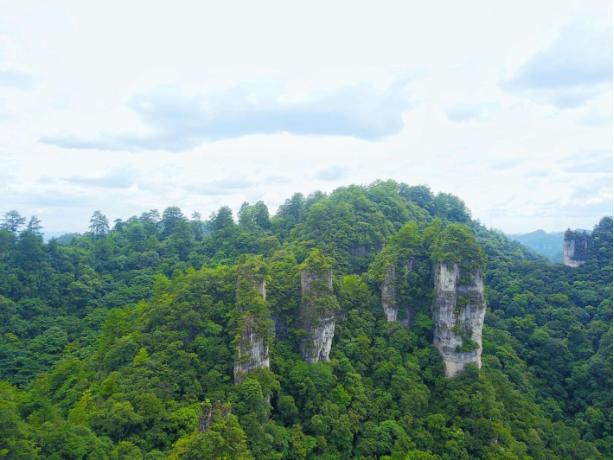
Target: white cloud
(333, 173)
(462, 112)
(573, 69)
(13, 78)
(255, 105)
(178, 122)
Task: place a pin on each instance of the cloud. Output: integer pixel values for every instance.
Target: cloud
(461, 113)
(120, 177)
(501, 165)
(37, 196)
(598, 162)
(332, 174)
(226, 186)
(70, 141)
(576, 67)
(593, 118)
(179, 122)
(276, 180)
(596, 192)
(538, 174)
(8, 169)
(18, 80)
(4, 114)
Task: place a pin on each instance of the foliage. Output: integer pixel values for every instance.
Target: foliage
(112, 340)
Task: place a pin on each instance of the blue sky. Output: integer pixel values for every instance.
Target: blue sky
(126, 107)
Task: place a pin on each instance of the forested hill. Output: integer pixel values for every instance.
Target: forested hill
(173, 337)
(548, 244)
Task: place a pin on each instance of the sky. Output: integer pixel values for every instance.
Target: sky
(129, 106)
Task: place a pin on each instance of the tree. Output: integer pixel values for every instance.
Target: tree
(13, 221)
(261, 215)
(119, 225)
(151, 217)
(34, 225)
(172, 219)
(223, 439)
(294, 208)
(222, 219)
(99, 224)
(419, 194)
(198, 226)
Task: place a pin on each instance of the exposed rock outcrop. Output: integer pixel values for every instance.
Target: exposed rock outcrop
(252, 347)
(458, 314)
(389, 295)
(390, 303)
(359, 251)
(208, 413)
(577, 248)
(317, 317)
(281, 327)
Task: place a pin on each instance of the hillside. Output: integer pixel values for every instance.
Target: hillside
(318, 332)
(549, 244)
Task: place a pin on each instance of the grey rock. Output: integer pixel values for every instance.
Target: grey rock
(577, 248)
(252, 352)
(458, 315)
(281, 327)
(359, 251)
(318, 323)
(389, 295)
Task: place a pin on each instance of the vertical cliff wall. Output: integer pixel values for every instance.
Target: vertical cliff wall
(577, 248)
(254, 328)
(317, 315)
(390, 300)
(389, 295)
(458, 314)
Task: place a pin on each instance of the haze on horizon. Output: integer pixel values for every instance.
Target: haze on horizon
(125, 107)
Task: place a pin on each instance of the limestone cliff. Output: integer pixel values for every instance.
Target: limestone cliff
(458, 314)
(389, 294)
(577, 248)
(408, 267)
(208, 412)
(390, 303)
(254, 327)
(317, 315)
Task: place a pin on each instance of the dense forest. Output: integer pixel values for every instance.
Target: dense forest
(122, 343)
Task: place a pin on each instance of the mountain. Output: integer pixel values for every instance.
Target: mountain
(62, 237)
(549, 244)
(377, 321)
(541, 242)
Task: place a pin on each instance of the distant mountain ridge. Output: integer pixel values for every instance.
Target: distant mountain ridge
(549, 244)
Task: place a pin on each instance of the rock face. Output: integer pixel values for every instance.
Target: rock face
(281, 327)
(316, 320)
(389, 295)
(252, 350)
(577, 248)
(459, 308)
(208, 412)
(359, 251)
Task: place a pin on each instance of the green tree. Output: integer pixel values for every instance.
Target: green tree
(99, 224)
(13, 221)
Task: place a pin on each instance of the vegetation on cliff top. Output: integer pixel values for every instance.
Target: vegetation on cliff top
(111, 342)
